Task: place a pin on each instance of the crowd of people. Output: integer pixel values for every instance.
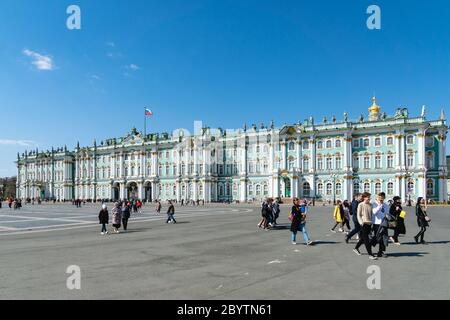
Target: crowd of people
(372, 221)
(13, 203)
(121, 213)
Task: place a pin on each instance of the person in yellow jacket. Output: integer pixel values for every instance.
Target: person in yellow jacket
(338, 216)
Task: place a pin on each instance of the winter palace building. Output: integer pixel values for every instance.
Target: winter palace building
(399, 154)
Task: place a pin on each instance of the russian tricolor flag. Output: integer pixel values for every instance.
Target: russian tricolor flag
(148, 112)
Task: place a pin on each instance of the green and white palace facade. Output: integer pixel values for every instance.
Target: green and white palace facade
(333, 159)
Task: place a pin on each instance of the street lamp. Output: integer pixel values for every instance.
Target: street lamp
(334, 188)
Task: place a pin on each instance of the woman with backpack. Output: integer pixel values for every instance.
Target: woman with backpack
(422, 219)
(298, 221)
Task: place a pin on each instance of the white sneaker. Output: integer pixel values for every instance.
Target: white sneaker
(309, 243)
(332, 230)
(341, 230)
(357, 237)
(102, 233)
(106, 232)
(357, 252)
(293, 242)
(373, 258)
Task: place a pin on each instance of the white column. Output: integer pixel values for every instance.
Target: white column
(312, 160)
(243, 187)
(283, 155)
(298, 150)
(442, 180)
(154, 165)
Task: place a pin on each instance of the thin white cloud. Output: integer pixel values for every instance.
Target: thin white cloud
(134, 67)
(94, 77)
(12, 142)
(41, 62)
(111, 44)
(114, 55)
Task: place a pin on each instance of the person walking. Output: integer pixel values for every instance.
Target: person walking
(125, 215)
(422, 219)
(116, 217)
(354, 213)
(276, 211)
(364, 215)
(298, 221)
(379, 211)
(396, 211)
(170, 213)
(103, 218)
(266, 212)
(338, 216)
(346, 216)
(158, 207)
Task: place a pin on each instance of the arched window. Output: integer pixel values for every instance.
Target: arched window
(220, 190)
(338, 189)
(328, 144)
(258, 190)
(306, 145)
(305, 164)
(338, 162)
(366, 187)
(228, 189)
(320, 188)
(355, 187)
(319, 144)
(329, 189)
(366, 142)
(319, 163)
(377, 188)
(390, 141)
(378, 161)
(377, 141)
(410, 160)
(390, 188)
(329, 163)
(430, 160)
(235, 189)
(430, 187)
(306, 189)
(250, 190)
(338, 143)
(266, 189)
(410, 139)
(390, 161)
(291, 146)
(366, 162)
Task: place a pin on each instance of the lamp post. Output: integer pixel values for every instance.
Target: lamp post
(334, 188)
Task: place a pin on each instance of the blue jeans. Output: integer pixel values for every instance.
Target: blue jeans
(303, 231)
(103, 227)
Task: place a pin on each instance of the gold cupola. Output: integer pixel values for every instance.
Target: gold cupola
(374, 110)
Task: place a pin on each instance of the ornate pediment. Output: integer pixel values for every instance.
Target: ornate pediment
(133, 138)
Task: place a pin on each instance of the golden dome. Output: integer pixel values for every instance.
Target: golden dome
(374, 109)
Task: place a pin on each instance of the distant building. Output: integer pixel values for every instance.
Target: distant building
(399, 154)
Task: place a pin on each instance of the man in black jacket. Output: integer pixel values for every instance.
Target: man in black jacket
(354, 213)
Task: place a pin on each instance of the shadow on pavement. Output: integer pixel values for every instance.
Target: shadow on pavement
(407, 254)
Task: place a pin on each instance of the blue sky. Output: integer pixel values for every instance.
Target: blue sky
(223, 62)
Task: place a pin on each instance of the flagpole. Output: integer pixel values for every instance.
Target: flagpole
(145, 125)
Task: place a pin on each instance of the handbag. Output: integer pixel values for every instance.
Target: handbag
(427, 219)
(402, 214)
